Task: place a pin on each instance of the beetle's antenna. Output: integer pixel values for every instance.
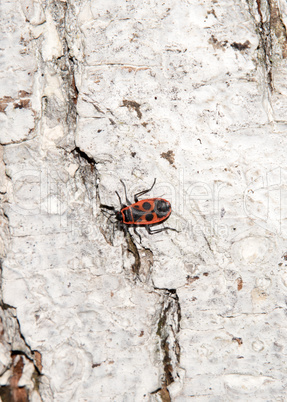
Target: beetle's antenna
(136, 196)
(119, 199)
(125, 189)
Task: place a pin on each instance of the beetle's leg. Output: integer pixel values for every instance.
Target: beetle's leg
(127, 200)
(107, 214)
(137, 233)
(109, 219)
(108, 211)
(125, 229)
(107, 207)
(158, 230)
(143, 192)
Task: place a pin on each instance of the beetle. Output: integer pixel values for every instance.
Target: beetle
(142, 213)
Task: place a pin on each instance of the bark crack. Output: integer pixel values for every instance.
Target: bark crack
(66, 66)
(263, 27)
(81, 154)
(18, 356)
(272, 34)
(168, 328)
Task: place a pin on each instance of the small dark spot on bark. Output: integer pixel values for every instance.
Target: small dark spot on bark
(133, 105)
(238, 340)
(191, 279)
(239, 284)
(23, 94)
(216, 43)
(211, 12)
(241, 46)
(169, 156)
(22, 104)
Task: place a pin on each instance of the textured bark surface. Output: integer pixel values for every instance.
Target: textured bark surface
(192, 93)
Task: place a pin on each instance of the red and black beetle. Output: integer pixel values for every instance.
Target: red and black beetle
(142, 213)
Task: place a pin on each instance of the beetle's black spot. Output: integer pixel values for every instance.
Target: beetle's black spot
(137, 214)
(149, 217)
(146, 206)
(128, 215)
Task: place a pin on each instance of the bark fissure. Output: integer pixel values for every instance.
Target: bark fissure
(21, 355)
(80, 153)
(132, 248)
(66, 66)
(272, 35)
(168, 328)
(263, 27)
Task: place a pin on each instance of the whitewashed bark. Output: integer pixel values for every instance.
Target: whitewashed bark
(192, 93)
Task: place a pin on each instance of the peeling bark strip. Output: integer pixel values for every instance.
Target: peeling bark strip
(18, 393)
(278, 27)
(21, 356)
(265, 40)
(87, 171)
(272, 32)
(65, 66)
(168, 328)
(132, 248)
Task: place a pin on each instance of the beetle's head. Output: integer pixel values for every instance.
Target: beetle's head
(119, 216)
(162, 207)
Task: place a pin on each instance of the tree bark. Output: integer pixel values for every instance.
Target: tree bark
(192, 93)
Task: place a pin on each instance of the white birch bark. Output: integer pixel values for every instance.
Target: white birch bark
(192, 93)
